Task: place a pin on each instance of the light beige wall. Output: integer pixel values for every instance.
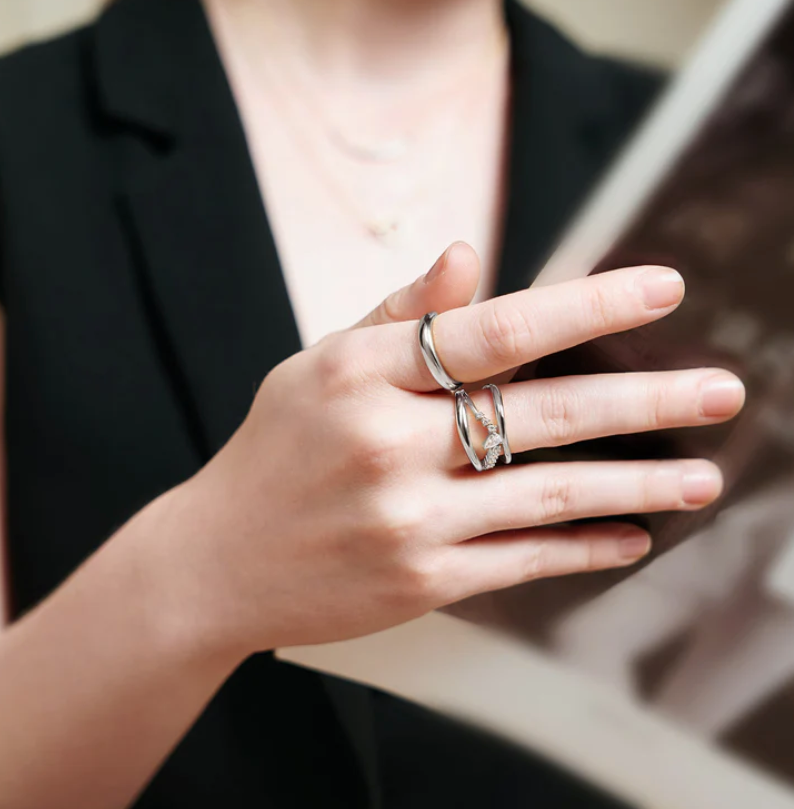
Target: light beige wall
(655, 31)
(22, 20)
(658, 31)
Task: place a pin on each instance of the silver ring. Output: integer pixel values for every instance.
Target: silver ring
(496, 443)
(428, 348)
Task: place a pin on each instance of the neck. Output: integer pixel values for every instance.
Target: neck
(402, 42)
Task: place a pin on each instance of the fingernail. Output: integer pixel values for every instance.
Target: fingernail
(661, 287)
(721, 395)
(701, 486)
(437, 270)
(634, 547)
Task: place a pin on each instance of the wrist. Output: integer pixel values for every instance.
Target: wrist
(167, 542)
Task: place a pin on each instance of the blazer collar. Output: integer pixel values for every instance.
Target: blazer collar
(149, 56)
(189, 201)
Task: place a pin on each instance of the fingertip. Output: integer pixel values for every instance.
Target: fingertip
(722, 395)
(633, 544)
(702, 483)
(461, 252)
(458, 257)
(660, 287)
(455, 277)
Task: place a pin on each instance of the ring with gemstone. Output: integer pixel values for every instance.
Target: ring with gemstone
(428, 347)
(495, 444)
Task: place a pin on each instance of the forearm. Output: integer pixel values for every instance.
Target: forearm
(101, 680)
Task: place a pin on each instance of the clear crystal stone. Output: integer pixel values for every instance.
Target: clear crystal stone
(493, 440)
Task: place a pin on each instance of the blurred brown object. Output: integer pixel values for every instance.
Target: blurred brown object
(725, 218)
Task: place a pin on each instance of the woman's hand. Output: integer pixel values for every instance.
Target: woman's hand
(345, 503)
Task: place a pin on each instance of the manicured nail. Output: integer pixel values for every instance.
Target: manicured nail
(720, 396)
(701, 485)
(661, 287)
(634, 547)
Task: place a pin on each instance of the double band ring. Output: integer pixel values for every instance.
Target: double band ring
(495, 444)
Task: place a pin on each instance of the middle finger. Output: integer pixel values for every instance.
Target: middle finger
(566, 410)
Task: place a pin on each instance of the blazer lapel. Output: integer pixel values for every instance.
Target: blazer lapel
(208, 265)
(191, 203)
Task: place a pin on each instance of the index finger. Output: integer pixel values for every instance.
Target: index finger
(489, 338)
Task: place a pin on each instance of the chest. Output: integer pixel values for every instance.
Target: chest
(349, 232)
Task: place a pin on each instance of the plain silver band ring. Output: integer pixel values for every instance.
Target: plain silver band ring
(496, 443)
(428, 348)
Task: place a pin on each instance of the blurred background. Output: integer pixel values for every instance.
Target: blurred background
(654, 31)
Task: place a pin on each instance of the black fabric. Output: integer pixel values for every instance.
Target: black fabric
(432, 762)
(144, 303)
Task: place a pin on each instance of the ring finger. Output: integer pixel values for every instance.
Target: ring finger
(551, 493)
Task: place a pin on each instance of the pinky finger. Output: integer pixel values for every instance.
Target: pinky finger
(501, 560)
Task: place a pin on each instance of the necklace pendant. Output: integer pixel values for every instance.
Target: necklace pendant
(384, 230)
(388, 151)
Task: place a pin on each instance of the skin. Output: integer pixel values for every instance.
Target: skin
(436, 69)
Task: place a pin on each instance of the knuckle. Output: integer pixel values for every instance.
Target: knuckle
(558, 415)
(600, 308)
(333, 364)
(391, 309)
(381, 459)
(373, 452)
(399, 520)
(657, 407)
(592, 559)
(555, 499)
(648, 494)
(419, 581)
(537, 563)
(506, 331)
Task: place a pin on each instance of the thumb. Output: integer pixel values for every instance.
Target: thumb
(450, 283)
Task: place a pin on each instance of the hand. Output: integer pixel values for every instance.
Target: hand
(345, 503)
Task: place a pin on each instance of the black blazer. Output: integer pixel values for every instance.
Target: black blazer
(145, 302)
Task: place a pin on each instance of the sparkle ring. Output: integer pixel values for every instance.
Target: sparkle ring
(495, 444)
